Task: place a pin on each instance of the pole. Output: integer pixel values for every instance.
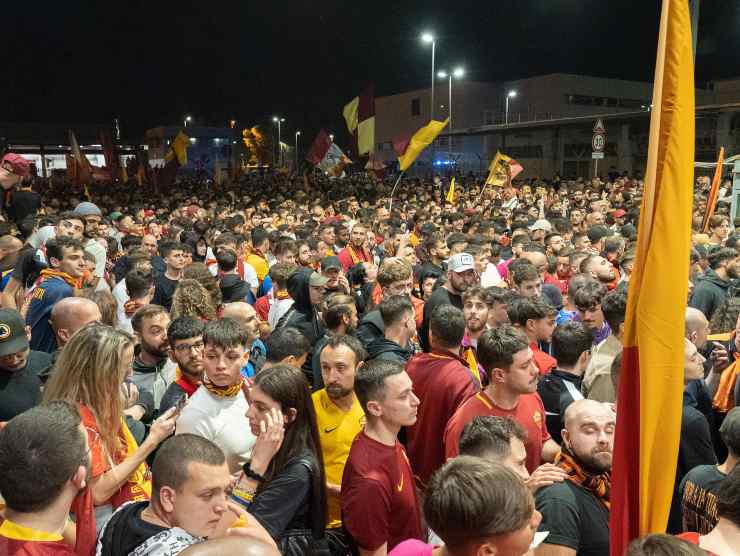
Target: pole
(694, 9)
(506, 112)
(390, 202)
(296, 153)
(280, 146)
(596, 167)
(431, 111)
(449, 140)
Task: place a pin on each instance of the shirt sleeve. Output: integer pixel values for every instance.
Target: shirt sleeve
(366, 507)
(560, 517)
(276, 506)
(97, 251)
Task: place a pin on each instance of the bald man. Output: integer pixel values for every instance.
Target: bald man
(576, 512)
(697, 332)
(69, 315)
(245, 315)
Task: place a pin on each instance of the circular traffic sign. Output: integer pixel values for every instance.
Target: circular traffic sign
(598, 142)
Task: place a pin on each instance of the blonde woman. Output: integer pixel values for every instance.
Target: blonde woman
(90, 371)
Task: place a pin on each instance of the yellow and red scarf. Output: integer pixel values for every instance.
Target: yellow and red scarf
(223, 391)
(185, 383)
(598, 485)
(52, 273)
(364, 256)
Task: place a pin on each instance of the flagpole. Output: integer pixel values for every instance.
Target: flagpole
(390, 202)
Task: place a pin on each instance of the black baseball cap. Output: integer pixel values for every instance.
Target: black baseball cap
(328, 263)
(12, 332)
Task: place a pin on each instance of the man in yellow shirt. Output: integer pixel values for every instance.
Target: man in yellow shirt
(339, 415)
(257, 255)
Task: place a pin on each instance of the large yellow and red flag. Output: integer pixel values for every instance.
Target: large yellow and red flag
(713, 191)
(651, 383)
(420, 141)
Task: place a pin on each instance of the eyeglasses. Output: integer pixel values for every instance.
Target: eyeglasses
(183, 348)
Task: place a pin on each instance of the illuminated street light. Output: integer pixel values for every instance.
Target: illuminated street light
(442, 74)
(279, 120)
(510, 94)
(187, 119)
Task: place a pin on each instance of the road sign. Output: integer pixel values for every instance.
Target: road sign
(597, 155)
(599, 126)
(598, 142)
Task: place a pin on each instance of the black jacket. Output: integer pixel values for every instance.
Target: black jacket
(710, 292)
(440, 296)
(371, 328)
(388, 350)
(233, 288)
(302, 315)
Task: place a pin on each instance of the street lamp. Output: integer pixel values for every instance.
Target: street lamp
(188, 119)
(279, 121)
(429, 38)
(510, 94)
(331, 136)
(457, 73)
(297, 134)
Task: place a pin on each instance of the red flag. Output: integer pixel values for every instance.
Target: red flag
(319, 148)
(713, 191)
(401, 143)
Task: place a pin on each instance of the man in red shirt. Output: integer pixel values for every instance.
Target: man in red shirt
(535, 318)
(356, 250)
(379, 503)
(511, 392)
(442, 381)
(45, 461)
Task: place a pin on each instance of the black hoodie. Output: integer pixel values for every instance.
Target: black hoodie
(302, 315)
(233, 288)
(388, 350)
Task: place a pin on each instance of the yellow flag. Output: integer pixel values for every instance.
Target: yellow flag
(498, 170)
(350, 114)
(451, 192)
(87, 193)
(420, 141)
(652, 378)
(179, 149)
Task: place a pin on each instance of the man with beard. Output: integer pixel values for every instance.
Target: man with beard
(45, 460)
(576, 511)
(711, 289)
(92, 216)
(340, 317)
(442, 381)
(478, 303)
(600, 269)
(356, 250)
(461, 275)
(339, 416)
(153, 371)
(185, 336)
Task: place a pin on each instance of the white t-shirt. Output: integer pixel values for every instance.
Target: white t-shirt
(98, 251)
(121, 295)
(223, 421)
(41, 236)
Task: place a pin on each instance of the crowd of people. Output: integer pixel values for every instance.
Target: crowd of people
(300, 365)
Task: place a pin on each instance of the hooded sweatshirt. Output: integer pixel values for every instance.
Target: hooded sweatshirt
(710, 292)
(153, 379)
(233, 288)
(388, 350)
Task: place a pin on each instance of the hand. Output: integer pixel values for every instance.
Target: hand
(272, 431)
(131, 393)
(252, 527)
(163, 426)
(719, 357)
(344, 283)
(545, 475)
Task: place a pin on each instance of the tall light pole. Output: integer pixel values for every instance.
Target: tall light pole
(510, 94)
(187, 119)
(279, 121)
(429, 38)
(297, 134)
(457, 73)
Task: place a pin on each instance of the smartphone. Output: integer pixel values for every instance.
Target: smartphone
(181, 403)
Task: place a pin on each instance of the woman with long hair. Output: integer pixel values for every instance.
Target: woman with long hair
(90, 372)
(283, 485)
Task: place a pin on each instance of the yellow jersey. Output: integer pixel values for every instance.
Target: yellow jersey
(337, 430)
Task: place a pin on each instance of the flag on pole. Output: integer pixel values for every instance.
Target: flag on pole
(83, 172)
(176, 157)
(110, 155)
(502, 170)
(450, 198)
(651, 382)
(420, 141)
(713, 191)
(325, 154)
(359, 113)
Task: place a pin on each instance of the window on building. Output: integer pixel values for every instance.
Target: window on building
(416, 107)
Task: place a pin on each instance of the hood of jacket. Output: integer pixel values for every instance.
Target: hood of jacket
(298, 288)
(233, 288)
(383, 345)
(711, 277)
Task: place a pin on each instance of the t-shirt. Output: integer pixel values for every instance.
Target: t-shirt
(698, 492)
(441, 382)
(529, 413)
(22, 204)
(337, 430)
(575, 518)
(21, 390)
(164, 289)
(412, 547)
(43, 299)
(223, 421)
(17, 540)
(379, 502)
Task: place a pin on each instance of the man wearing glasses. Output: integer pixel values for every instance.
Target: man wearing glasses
(185, 335)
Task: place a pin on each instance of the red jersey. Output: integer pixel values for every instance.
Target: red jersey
(442, 382)
(529, 413)
(262, 307)
(379, 503)
(544, 362)
(349, 257)
(17, 540)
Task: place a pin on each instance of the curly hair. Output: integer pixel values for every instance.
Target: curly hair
(200, 273)
(724, 318)
(191, 299)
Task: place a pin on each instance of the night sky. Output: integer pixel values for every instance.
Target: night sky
(151, 62)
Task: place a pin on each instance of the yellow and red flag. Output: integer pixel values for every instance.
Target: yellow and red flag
(502, 170)
(651, 386)
(713, 191)
(420, 141)
(83, 173)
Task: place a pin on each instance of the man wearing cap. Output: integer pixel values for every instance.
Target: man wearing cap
(461, 275)
(336, 281)
(24, 202)
(596, 235)
(356, 250)
(20, 385)
(13, 169)
(92, 216)
(539, 230)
